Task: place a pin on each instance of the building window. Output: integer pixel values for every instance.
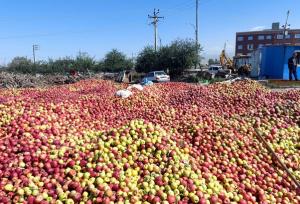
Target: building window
(250, 37)
(250, 46)
(261, 37)
(269, 37)
(288, 36)
(240, 38)
(240, 47)
(260, 45)
(297, 36)
(280, 37)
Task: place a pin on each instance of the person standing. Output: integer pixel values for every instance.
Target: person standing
(292, 63)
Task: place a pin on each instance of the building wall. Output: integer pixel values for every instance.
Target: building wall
(274, 62)
(246, 42)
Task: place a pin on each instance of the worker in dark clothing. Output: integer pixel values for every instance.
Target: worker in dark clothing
(292, 63)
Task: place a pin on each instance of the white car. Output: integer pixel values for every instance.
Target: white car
(157, 76)
(218, 71)
(214, 69)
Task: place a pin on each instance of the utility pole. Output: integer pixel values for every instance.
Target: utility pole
(160, 43)
(34, 48)
(155, 18)
(197, 42)
(286, 25)
(196, 33)
(132, 60)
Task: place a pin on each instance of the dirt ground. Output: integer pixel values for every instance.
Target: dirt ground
(284, 89)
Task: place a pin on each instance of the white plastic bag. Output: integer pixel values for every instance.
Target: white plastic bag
(136, 86)
(124, 93)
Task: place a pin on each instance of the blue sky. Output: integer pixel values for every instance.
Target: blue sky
(65, 27)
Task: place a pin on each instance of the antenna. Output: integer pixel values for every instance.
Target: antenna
(286, 25)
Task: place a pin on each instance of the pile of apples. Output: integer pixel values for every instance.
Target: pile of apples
(170, 143)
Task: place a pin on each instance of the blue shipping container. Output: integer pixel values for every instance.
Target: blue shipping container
(274, 61)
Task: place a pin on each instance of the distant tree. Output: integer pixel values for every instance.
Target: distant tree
(183, 56)
(116, 61)
(42, 67)
(61, 65)
(98, 67)
(201, 58)
(22, 65)
(211, 61)
(147, 60)
(217, 61)
(84, 62)
(176, 57)
(81, 63)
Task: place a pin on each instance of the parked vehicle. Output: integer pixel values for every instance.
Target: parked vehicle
(218, 71)
(157, 76)
(214, 69)
(239, 64)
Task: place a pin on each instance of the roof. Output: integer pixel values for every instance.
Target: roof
(283, 45)
(193, 70)
(215, 65)
(157, 71)
(241, 56)
(267, 31)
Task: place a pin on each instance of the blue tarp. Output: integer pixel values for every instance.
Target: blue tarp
(146, 82)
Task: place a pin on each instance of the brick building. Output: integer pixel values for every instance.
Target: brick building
(246, 42)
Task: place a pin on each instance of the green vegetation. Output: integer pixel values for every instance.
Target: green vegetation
(213, 61)
(175, 57)
(114, 61)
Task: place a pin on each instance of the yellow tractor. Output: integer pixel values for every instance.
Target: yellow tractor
(238, 65)
(226, 62)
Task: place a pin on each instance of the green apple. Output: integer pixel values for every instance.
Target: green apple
(86, 175)
(9, 187)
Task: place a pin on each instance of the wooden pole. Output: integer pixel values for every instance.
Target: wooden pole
(292, 177)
